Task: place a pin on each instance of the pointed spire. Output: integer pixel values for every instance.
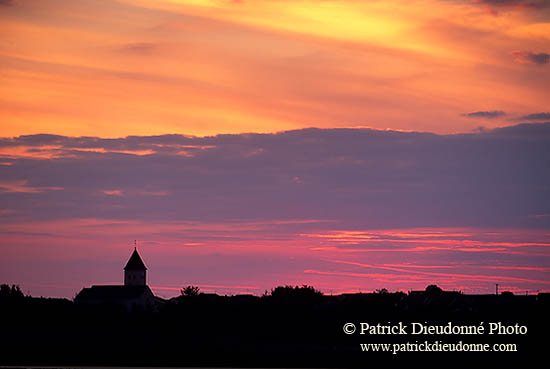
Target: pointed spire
(135, 262)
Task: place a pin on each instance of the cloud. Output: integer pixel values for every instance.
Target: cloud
(529, 57)
(485, 114)
(348, 176)
(521, 4)
(113, 192)
(535, 116)
(524, 131)
(138, 48)
(231, 207)
(21, 186)
(411, 208)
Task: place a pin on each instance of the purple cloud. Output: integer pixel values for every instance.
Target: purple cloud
(485, 114)
(529, 57)
(353, 177)
(535, 116)
(138, 48)
(315, 206)
(525, 4)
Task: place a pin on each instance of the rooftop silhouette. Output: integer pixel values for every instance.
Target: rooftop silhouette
(134, 294)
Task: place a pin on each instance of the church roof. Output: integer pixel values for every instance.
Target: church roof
(135, 262)
(112, 292)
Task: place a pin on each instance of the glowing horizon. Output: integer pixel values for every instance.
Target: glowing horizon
(342, 210)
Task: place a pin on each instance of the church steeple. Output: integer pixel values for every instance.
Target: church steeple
(135, 271)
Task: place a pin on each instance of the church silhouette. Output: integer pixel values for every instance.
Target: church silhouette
(135, 294)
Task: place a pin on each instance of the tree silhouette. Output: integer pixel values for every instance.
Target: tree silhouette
(10, 293)
(190, 291)
(304, 292)
(433, 290)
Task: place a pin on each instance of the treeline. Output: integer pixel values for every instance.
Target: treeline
(289, 326)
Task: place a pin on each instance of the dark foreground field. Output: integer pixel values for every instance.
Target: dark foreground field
(295, 328)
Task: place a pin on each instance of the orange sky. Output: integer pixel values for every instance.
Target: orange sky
(202, 67)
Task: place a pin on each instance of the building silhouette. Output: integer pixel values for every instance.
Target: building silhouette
(135, 271)
(135, 294)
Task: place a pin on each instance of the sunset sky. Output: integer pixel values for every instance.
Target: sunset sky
(347, 144)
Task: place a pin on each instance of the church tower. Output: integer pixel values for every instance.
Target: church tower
(135, 271)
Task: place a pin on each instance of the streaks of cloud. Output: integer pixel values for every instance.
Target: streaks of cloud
(529, 57)
(270, 253)
(535, 116)
(406, 202)
(485, 114)
(138, 48)
(22, 186)
(353, 176)
(516, 4)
